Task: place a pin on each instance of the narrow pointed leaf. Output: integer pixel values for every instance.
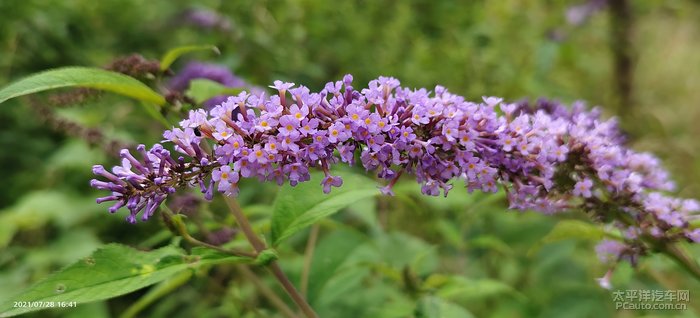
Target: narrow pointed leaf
(171, 56)
(81, 77)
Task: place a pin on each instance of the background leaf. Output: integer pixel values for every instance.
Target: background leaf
(203, 89)
(82, 77)
(435, 307)
(172, 55)
(330, 256)
(570, 229)
(298, 207)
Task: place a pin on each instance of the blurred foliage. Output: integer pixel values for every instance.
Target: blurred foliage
(406, 256)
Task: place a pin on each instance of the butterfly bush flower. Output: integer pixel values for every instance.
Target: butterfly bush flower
(546, 157)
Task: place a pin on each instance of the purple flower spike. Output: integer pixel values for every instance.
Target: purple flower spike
(547, 157)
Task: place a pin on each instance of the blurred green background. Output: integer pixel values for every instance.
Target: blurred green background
(511, 48)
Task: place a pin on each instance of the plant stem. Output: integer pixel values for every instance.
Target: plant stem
(182, 231)
(292, 291)
(621, 44)
(243, 223)
(308, 257)
(259, 246)
(266, 291)
(678, 255)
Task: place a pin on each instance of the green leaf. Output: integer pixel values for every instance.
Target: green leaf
(162, 289)
(111, 271)
(434, 307)
(570, 229)
(203, 89)
(400, 250)
(331, 254)
(175, 53)
(461, 289)
(298, 207)
(82, 77)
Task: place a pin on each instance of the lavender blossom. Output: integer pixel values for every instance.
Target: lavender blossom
(546, 157)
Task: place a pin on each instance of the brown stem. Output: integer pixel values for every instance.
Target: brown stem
(259, 246)
(681, 258)
(245, 226)
(292, 291)
(266, 291)
(182, 231)
(195, 241)
(308, 257)
(621, 45)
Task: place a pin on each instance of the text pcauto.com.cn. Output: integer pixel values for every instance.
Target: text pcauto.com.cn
(647, 299)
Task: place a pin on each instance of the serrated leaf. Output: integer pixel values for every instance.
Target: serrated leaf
(110, 271)
(298, 207)
(172, 55)
(570, 229)
(81, 77)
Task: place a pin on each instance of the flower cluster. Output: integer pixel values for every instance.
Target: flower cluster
(545, 156)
